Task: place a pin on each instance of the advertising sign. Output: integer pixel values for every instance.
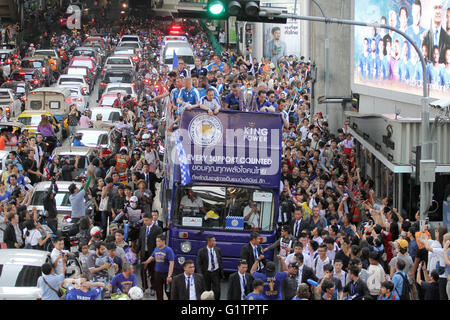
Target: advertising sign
(230, 147)
(281, 39)
(385, 59)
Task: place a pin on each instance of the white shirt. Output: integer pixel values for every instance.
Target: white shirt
(216, 263)
(32, 238)
(304, 131)
(241, 281)
(253, 221)
(59, 269)
(187, 203)
(318, 267)
(192, 295)
(343, 276)
(331, 254)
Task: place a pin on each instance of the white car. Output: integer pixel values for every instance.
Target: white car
(12, 106)
(130, 37)
(109, 114)
(119, 62)
(21, 269)
(69, 80)
(93, 138)
(77, 95)
(124, 88)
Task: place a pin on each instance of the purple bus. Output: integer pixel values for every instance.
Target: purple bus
(222, 179)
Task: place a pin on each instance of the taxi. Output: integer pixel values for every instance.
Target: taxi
(31, 120)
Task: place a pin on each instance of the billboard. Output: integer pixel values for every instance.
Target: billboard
(231, 147)
(281, 39)
(385, 59)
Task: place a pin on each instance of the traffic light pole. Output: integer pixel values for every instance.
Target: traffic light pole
(426, 185)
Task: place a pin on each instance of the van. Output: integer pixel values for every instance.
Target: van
(182, 50)
(51, 99)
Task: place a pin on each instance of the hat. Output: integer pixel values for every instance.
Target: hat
(402, 243)
(123, 149)
(133, 199)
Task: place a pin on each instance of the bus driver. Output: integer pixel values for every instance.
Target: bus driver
(191, 204)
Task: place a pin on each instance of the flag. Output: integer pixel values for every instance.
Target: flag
(184, 165)
(175, 60)
(253, 66)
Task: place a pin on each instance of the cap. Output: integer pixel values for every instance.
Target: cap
(123, 149)
(402, 243)
(133, 199)
(113, 226)
(270, 267)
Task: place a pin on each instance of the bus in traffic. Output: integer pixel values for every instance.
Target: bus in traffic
(222, 178)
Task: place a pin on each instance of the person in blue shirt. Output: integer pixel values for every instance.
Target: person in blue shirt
(434, 68)
(164, 258)
(386, 291)
(415, 30)
(272, 281)
(198, 70)
(122, 282)
(77, 140)
(175, 93)
(188, 95)
(256, 294)
(234, 99)
(80, 289)
(262, 104)
(216, 62)
(363, 65)
(399, 276)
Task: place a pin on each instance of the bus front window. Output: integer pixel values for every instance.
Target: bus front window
(233, 208)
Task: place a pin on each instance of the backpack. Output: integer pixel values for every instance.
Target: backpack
(405, 288)
(373, 283)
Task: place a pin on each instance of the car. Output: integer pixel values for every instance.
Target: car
(69, 80)
(88, 52)
(6, 57)
(119, 62)
(130, 37)
(93, 137)
(115, 76)
(84, 62)
(183, 51)
(130, 44)
(86, 154)
(20, 88)
(40, 63)
(129, 52)
(91, 41)
(33, 76)
(125, 88)
(49, 52)
(84, 71)
(107, 100)
(21, 269)
(32, 119)
(10, 103)
(78, 96)
(109, 114)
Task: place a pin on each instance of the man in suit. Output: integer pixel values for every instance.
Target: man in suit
(188, 285)
(234, 206)
(9, 235)
(252, 250)
(240, 282)
(145, 246)
(298, 224)
(437, 35)
(304, 272)
(210, 266)
(159, 223)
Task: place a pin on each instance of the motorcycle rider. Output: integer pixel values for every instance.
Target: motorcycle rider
(134, 214)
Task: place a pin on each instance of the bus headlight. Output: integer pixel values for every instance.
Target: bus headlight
(186, 247)
(181, 260)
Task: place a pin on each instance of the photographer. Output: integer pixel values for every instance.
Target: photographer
(50, 207)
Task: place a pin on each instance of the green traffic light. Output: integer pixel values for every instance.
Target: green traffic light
(216, 7)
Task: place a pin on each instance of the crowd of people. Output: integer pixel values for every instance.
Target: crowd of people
(336, 240)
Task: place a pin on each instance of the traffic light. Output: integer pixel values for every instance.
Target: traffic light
(243, 10)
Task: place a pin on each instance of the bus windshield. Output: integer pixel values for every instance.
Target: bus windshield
(224, 208)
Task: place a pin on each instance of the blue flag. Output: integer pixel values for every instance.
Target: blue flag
(175, 60)
(184, 165)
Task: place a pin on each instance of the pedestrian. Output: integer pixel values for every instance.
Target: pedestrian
(257, 293)
(240, 282)
(123, 281)
(145, 246)
(50, 283)
(210, 265)
(164, 264)
(252, 250)
(59, 256)
(272, 281)
(431, 284)
(188, 285)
